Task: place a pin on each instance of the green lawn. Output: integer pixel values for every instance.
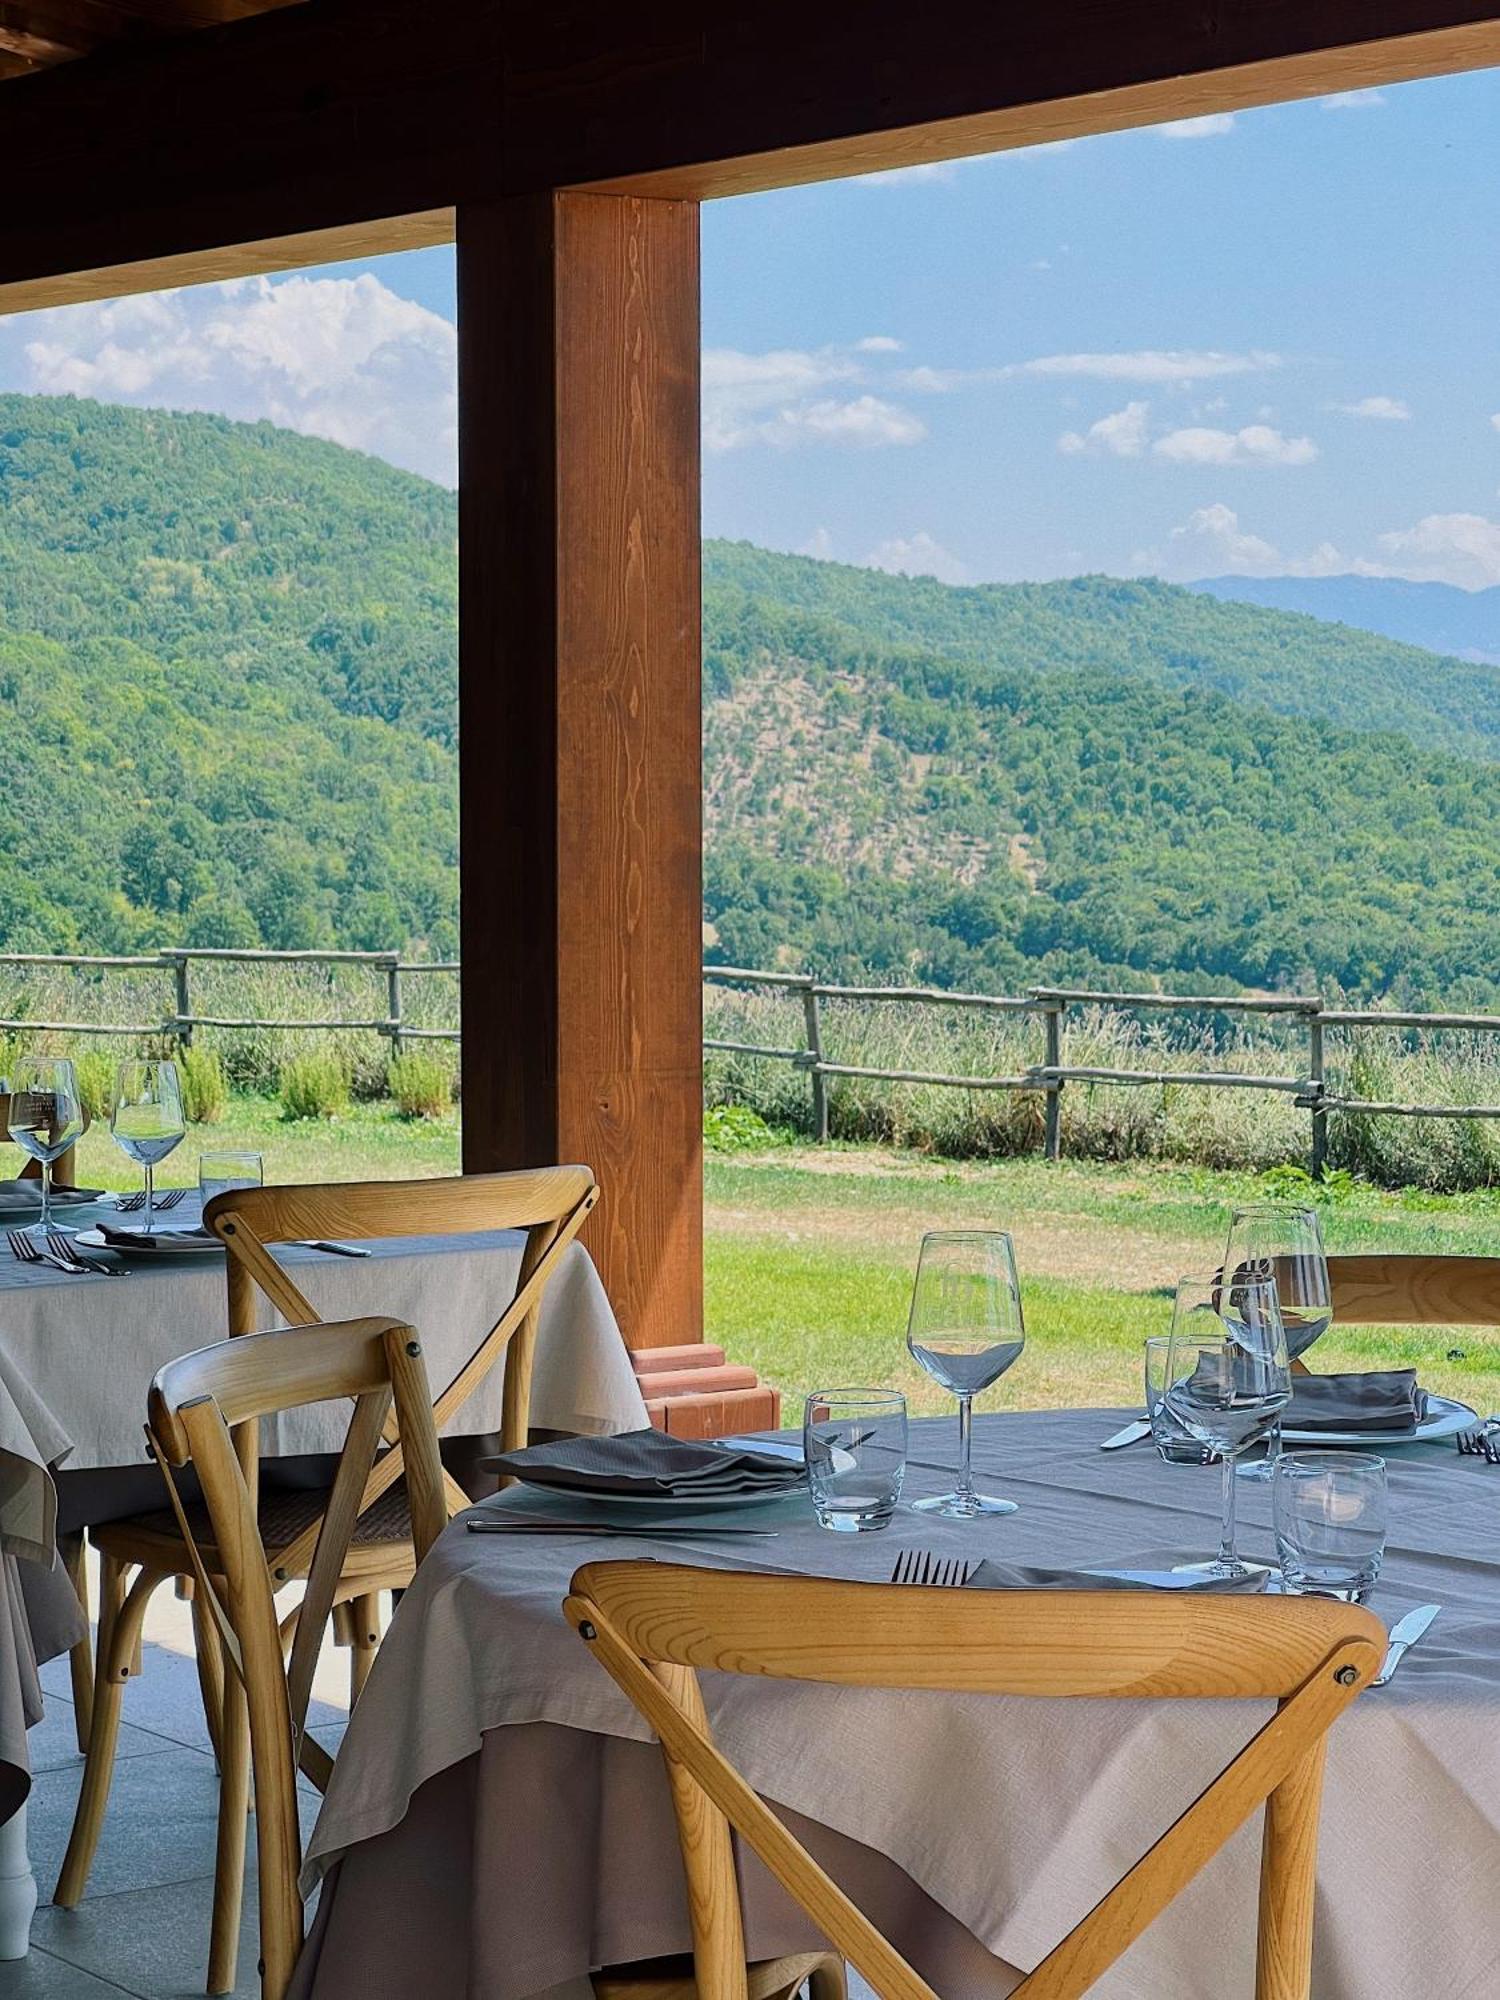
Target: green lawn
(810, 1255)
(810, 1251)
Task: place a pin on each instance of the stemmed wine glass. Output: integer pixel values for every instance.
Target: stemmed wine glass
(1228, 1378)
(1281, 1241)
(965, 1330)
(146, 1118)
(46, 1117)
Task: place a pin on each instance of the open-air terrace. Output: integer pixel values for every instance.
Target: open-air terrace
(509, 1520)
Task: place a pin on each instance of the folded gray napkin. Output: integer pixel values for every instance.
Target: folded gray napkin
(1383, 1400)
(1021, 1576)
(20, 1197)
(647, 1462)
(158, 1240)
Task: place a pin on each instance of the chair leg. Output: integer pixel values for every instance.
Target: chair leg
(828, 1982)
(119, 1632)
(81, 1658)
(365, 1622)
(209, 1649)
(229, 1862)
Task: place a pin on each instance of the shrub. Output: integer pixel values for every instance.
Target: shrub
(314, 1086)
(96, 1083)
(421, 1083)
(205, 1091)
(735, 1128)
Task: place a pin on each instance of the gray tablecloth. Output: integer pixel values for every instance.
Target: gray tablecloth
(1005, 1818)
(81, 1351)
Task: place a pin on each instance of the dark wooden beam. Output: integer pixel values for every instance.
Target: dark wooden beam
(580, 779)
(336, 112)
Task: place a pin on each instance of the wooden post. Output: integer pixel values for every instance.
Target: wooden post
(181, 1001)
(579, 702)
(393, 1003)
(1319, 1155)
(1053, 1142)
(814, 1028)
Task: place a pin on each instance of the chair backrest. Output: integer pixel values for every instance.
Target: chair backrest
(63, 1166)
(195, 1404)
(650, 1625)
(1415, 1291)
(549, 1203)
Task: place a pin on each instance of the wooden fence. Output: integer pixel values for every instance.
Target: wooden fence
(1052, 1004)
(1052, 1075)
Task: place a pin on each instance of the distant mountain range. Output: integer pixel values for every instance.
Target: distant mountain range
(228, 701)
(1465, 623)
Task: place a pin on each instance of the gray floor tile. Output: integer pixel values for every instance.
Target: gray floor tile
(54, 1747)
(43, 1977)
(152, 1942)
(160, 1827)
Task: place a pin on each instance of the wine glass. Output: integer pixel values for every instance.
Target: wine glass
(965, 1330)
(146, 1118)
(46, 1117)
(1281, 1241)
(1228, 1378)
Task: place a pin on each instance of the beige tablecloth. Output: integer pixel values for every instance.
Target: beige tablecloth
(1005, 1817)
(80, 1352)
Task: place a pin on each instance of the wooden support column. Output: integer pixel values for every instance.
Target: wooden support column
(580, 722)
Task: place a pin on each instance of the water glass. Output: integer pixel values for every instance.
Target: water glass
(964, 1330)
(146, 1119)
(1284, 1242)
(46, 1118)
(1173, 1440)
(219, 1172)
(854, 1442)
(1329, 1508)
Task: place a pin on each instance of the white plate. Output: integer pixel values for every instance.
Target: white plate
(93, 1239)
(1445, 1418)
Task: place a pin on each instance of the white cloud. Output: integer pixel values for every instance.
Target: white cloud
(925, 170)
(819, 545)
(1123, 433)
(1353, 100)
(879, 343)
(919, 555)
(1495, 420)
(340, 358)
(1463, 549)
(1210, 126)
(1212, 542)
(1383, 409)
(1256, 444)
(780, 399)
(1150, 364)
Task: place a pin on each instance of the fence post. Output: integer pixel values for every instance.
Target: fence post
(393, 1003)
(181, 1001)
(1319, 1157)
(1053, 1019)
(814, 1028)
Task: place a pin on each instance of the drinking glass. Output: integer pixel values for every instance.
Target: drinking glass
(146, 1118)
(219, 1172)
(1279, 1240)
(1228, 1378)
(46, 1117)
(1174, 1443)
(965, 1330)
(854, 1443)
(1329, 1508)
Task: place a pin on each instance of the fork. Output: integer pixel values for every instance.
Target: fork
(27, 1251)
(66, 1254)
(938, 1572)
(167, 1198)
(1482, 1442)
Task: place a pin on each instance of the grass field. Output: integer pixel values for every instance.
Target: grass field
(810, 1251)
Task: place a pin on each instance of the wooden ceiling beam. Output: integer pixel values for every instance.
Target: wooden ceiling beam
(335, 112)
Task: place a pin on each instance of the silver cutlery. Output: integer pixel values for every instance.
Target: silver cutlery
(27, 1251)
(69, 1255)
(333, 1249)
(1404, 1633)
(495, 1524)
(937, 1572)
(1481, 1442)
(1133, 1433)
(166, 1198)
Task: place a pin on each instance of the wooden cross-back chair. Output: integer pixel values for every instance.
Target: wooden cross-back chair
(652, 1625)
(550, 1204)
(1383, 1290)
(196, 1406)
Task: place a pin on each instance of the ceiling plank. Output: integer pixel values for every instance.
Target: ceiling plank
(334, 112)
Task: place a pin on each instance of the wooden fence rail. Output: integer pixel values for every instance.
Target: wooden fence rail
(1052, 1075)
(1051, 1004)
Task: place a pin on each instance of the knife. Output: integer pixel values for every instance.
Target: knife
(1132, 1434)
(1405, 1632)
(333, 1249)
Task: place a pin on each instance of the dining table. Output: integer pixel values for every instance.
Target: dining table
(498, 1820)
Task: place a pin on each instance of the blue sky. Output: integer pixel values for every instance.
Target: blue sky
(1263, 343)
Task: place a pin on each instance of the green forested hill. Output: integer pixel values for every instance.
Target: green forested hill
(227, 690)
